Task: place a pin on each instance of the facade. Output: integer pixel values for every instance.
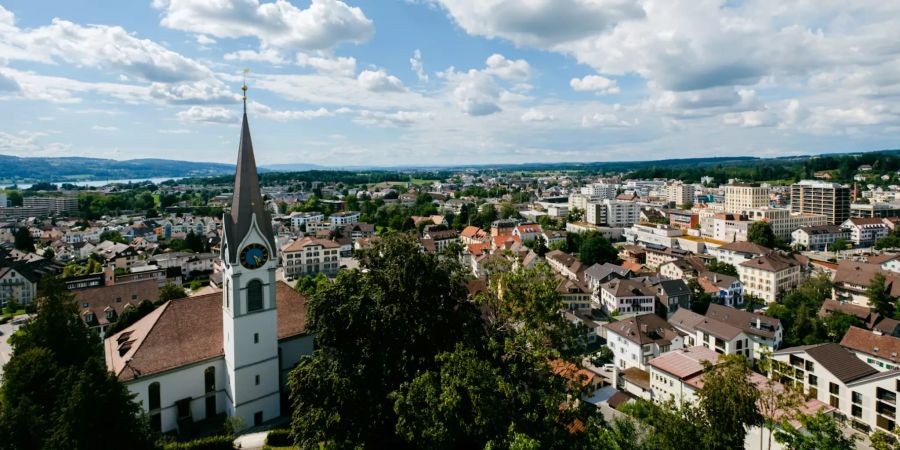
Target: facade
(600, 191)
(865, 231)
(819, 197)
(637, 340)
(741, 197)
(310, 256)
(725, 289)
(223, 353)
(675, 375)
(770, 276)
(680, 194)
(783, 222)
(725, 227)
(660, 235)
(299, 219)
(764, 332)
(343, 218)
(736, 253)
(837, 377)
(874, 210)
(17, 283)
(52, 205)
(627, 297)
(818, 238)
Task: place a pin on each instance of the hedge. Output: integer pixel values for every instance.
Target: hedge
(279, 438)
(207, 443)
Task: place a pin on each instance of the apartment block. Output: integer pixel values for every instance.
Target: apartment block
(819, 197)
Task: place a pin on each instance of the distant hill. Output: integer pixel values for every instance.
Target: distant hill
(14, 169)
(293, 167)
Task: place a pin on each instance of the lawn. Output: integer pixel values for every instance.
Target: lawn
(8, 313)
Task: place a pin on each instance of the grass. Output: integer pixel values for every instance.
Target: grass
(8, 313)
(269, 447)
(420, 181)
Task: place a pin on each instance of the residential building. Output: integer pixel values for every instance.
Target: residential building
(820, 197)
(100, 307)
(343, 218)
(685, 268)
(725, 227)
(528, 231)
(764, 332)
(770, 276)
(636, 340)
(875, 209)
(878, 350)
(735, 253)
(52, 205)
(675, 375)
(441, 238)
(613, 213)
(574, 294)
(627, 297)
(724, 289)
(598, 274)
(310, 256)
(680, 194)
(671, 295)
(742, 197)
(783, 222)
(683, 219)
(818, 238)
(851, 281)
(864, 231)
(660, 235)
(474, 235)
(656, 256)
(836, 376)
(299, 219)
(600, 191)
(18, 282)
(565, 264)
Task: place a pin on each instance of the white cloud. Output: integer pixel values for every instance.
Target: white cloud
(476, 93)
(280, 25)
(540, 22)
(266, 55)
(283, 115)
(507, 69)
(604, 120)
(341, 66)
(29, 143)
(104, 128)
(203, 39)
(8, 84)
(601, 85)
(415, 63)
(97, 47)
(174, 131)
(536, 115)
(395, 119)
(211, 91)
(214, 114)
(380, 81)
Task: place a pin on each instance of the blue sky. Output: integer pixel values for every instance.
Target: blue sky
(391, 82)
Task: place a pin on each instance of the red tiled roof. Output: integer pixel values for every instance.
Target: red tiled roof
(189, 330)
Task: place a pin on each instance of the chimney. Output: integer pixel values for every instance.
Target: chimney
(758, 323)
(109, 275)
(644, 328)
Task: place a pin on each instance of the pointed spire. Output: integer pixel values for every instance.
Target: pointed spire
(247, 199)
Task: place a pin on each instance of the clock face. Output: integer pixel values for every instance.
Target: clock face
(254, 256)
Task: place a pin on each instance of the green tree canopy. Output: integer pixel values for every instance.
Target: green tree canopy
(23, 240)
(171, 291)
(57, 391)
(594, 248)
(760, 232)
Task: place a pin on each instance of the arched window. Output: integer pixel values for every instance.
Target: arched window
(153, 393)
(254, 295)
(209, 381)
(153, 406)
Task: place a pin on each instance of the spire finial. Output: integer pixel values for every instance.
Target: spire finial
(244, 88)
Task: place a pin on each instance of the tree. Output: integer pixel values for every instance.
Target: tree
(723, 268)
(838, 245)
(15, 198)
(309, 284)
(57, 391)
(700, 299)
(112, 235)
(376, 329)
(729, 401)
(23, 240)
(760, 232)
(575, 215)
(879, 299)
(49, 253)
(819, 432)
(888, 242)
(171, 291)
(193, 242)
(594, 248)
(507, 210)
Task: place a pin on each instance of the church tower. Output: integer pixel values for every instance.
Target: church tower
(250, 319)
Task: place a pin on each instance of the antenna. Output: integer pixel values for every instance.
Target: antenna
(244, 88)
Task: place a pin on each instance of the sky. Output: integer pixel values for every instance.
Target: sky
(432, 82)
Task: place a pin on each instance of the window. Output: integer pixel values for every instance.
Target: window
(886, 409)
(813, 380)
(886, 395)
(856, 411)
(809, 366)
(856, 397)
(835, 402)
(153, 401)
(254, 295)
(834, 389)
(257, 418)
(256, 338)
(257, 380)
(209, 380)
(884, 423)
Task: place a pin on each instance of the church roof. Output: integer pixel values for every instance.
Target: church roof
(180, 332)
(247, 199)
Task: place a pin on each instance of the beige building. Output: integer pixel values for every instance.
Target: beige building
(741, 197)
(770, 276)
(309, 256)
(783, 222)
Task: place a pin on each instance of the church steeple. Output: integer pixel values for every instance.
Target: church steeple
(247, 200)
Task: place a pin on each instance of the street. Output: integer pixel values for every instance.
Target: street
(6, 330)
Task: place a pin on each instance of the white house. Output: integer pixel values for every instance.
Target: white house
(634, 342)
(864, 231)
(818, 238)
(770, 276)
(627, 297)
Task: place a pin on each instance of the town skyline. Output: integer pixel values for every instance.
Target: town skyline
(448, 83)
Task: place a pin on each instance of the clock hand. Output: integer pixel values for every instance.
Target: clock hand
(257, 259)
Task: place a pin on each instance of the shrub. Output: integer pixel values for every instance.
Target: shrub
(279, 438)
(207, 443)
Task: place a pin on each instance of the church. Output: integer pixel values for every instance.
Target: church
(230, 352)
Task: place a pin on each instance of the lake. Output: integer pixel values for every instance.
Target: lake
(99, 183)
